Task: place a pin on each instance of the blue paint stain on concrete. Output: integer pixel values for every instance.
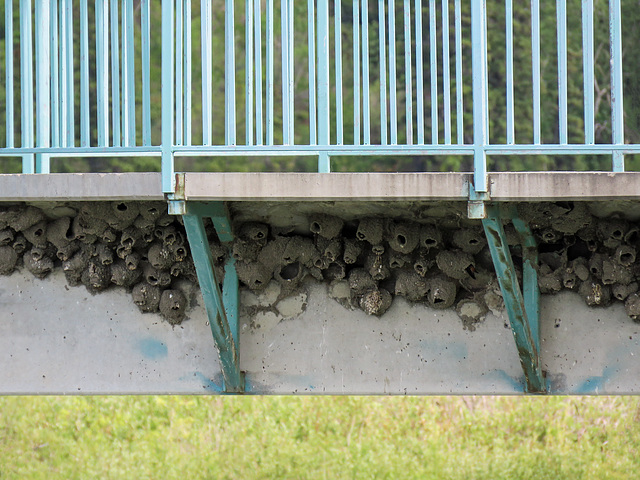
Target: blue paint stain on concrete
(209, 385)
(214, 385)
(501, 376)
(596, 384)
(591, 385)
(152, 348)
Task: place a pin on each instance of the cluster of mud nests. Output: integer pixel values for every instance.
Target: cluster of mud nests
(133, 245)
(578, 251)
(366, 262)
(369, 262)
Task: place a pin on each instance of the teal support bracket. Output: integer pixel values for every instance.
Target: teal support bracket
(530, 290)
(476, 207)
(176, 199)
(522, 308)
(222, 307)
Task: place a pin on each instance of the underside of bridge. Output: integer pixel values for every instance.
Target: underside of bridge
(319, 283)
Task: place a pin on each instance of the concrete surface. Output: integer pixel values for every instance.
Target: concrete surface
(515, 186)
(58, 339)
(80, 187)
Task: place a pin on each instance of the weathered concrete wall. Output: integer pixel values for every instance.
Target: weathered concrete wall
(410, 303)
(58, 339)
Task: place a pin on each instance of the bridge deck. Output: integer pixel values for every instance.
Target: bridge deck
(512, 186)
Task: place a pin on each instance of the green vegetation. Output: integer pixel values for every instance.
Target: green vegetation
(319, 437)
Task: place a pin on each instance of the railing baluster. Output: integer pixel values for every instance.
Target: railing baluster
(445, 73)
(393, 103)
(124, 72)
(64, 75)
(26, 84)
(433, 60)
(8, 55)
(9, 85)
(43, 83)
(324, 123)
(229, 74)
(366, 98)
(179, 66)
(535, 68)
(459, 84)
(69, 85)
(168, 32)
(419, 73)
(129, 76)
(407, 72)
(286, 119)
(257, 9)
(480, 116)
(207, 82)
(356, 72)
(338, 54)
(313, 116)
(509, 80)
(561, 20)
(617, 113)
(84, 77)
(486, 75)
(55, 74)
(588, 71)
(384, 125)
(248, 70)
(145, 35)
(187, 78)
(115, 73)
(291, 77)
(270, 73)
(102, 74)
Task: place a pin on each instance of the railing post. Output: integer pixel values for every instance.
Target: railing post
(229, 74)
(168, 177)
(102, 73)
(26, 85)
(43, 84)
(479, 70)
(9, 85)
(617, 112)
(323, 84)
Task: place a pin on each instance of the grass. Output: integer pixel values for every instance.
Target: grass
(319, 437)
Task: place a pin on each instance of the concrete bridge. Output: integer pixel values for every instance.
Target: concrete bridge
(399, 283)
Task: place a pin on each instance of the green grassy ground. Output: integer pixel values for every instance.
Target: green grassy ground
(320, 437)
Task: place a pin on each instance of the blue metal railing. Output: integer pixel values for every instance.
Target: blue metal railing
(395, 88)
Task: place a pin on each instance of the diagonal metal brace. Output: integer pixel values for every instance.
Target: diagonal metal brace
(222, 307)
(523, 310)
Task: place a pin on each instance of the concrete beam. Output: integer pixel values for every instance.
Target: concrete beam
(516, 186)
(80, 187)
(520, 186)
(326, 186)
(553, 186)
